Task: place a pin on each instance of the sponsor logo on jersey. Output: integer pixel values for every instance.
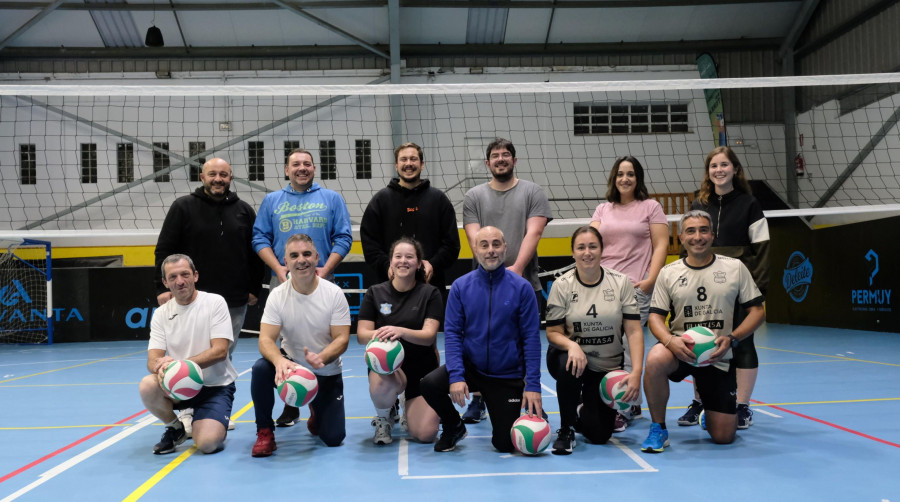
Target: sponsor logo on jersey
(385, 308)
(595, 340)
(719, 277)
(574, 298)
(682, 281)
(711, 324)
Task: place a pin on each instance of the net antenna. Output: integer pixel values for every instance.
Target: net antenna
(26, 291)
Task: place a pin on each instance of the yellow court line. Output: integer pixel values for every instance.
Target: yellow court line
(156, 478)
(842, 358)
(70, 367)
(845, 401)
(785, 362)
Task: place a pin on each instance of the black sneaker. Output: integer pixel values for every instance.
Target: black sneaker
(172, 437)
(288, 417)
(565, 441)
(692, 415)
(745, 416)
(449, 438)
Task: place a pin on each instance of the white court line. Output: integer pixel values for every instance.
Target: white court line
(403, 466)
(764, 412)
(77, 459)
(548, 389)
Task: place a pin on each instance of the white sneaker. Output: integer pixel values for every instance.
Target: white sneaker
(230, 424)
(187, 418)
(383, 428)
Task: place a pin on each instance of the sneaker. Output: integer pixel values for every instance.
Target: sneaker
(565, 441)
(703, 420)
(692, 415)
(288, 417)
(449, 438)
(230, 424)
(265, 443)
(476, 411)
(383, 428)
(187, 420)
(578, 424)
(634, 411)
(395, 411)
(620, 424)
(545, 416)
(404, 423)
(311, 424)
(657, 440)
(172, 437)
(745, 416)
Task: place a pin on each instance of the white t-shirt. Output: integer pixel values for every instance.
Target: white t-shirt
(306, 320)
(183, 331)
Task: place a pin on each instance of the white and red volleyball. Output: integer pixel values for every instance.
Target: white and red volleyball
(530, 434)
(182, 379)
(384, 357)
(613, 386)
(299, 388)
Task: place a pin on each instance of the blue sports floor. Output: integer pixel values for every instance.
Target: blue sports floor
(827, 402)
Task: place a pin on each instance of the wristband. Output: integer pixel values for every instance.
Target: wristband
(668, 341)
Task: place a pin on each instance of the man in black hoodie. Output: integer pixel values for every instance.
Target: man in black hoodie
(410, 207)
(213, 226)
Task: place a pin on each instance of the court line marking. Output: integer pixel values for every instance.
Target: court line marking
(162, 473)
(802, 362)
(54, 471)
(830, 424)
(764, 412)
(403, 466)
(842, 358)
(70, 367)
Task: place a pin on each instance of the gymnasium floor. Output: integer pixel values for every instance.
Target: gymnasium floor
(827, 400)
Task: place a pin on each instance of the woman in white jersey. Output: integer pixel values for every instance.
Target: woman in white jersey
(635, 236)
(589, 311)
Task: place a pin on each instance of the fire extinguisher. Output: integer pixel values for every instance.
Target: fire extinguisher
(800, 162)
(799, 165)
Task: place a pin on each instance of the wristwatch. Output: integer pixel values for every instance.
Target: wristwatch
(734, 341)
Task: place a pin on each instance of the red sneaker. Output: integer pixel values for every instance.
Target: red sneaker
(311, 423)
(265, 443)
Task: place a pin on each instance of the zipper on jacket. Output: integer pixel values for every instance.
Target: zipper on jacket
(490, 316)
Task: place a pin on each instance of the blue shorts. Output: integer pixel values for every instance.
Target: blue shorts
(211, 402)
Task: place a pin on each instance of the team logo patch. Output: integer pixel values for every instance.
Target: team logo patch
(688, 311)
(719, 277)
(385, 308)
(682, 281)
(608, 295)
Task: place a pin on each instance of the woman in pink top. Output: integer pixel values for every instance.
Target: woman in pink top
(635, 237)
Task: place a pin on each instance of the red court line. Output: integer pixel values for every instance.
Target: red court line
(823, 422)
(22, 469)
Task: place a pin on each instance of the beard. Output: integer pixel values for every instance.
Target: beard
(502, 177)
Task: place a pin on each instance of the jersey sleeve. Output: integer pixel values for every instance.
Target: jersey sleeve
(749, 294)
(367, 310)
(470, 208)
(627, 296)
(660, 301)
(539, 205)
(434, 308)
(220, 321)
(556, 304)
(340, 309)
(272, 312)
(157, 336)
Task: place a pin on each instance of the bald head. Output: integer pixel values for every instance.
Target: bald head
(216, 178)
(490, 248)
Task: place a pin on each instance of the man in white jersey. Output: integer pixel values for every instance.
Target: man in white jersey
(701, 290)
(192, 325)
(312, 318)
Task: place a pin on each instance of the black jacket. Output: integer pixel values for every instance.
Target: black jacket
(741, 231)
(216, 235)
(423, 213)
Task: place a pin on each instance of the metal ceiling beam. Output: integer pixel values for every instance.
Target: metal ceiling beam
(420, 4)
(424, 50)
(330, 27)
(800, 22)
(844, 28)
(31, 22)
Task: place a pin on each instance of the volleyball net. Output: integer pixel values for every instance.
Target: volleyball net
(94, 157)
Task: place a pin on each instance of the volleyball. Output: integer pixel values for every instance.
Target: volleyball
(182, 379)
(704, 344)
(299, 388)
(612, 390)
(530, 434)
(384, 357)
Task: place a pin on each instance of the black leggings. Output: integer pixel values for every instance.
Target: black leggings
(502, 396)
(744, 355)
(597, 419)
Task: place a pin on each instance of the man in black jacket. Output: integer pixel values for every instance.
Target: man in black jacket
(410, 207)
(213, 226)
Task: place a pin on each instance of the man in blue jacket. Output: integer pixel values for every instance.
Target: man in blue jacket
(302, 207)
(491, 344)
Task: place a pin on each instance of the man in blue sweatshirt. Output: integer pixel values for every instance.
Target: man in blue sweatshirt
(302, 207)
(491, 344)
